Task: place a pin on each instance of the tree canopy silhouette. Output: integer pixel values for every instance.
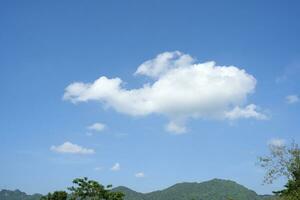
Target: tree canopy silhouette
(283, 161)
(85, 189)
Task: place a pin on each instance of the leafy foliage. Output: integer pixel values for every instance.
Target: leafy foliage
(284, 161)
(57, 195)
(85, 189)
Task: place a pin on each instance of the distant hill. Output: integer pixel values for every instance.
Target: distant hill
(268, 197)
(17, 195)
(215, 189)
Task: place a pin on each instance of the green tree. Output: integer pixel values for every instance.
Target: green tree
(283, 161)
(57, 195)
(85, 189)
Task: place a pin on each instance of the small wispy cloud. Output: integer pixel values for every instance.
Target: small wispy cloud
(290, 72)
(121, 135)
(89, 133)
(176, 127)
(116, 167)
(97, 127)
(139, 175)
(249, 111)
(291, 99)
(70, 148)
(276, 142)
(98, 168)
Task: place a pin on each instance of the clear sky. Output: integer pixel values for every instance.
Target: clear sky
(122, 91)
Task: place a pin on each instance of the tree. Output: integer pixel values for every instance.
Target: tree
(85, 189)
(57, 195)
(283, 161)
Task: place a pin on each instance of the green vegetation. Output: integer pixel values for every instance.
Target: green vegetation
(17, 195)
(215, 189)
(85, 189)
(211, 190)
(92, 190)
(284, 161)
(57, 195)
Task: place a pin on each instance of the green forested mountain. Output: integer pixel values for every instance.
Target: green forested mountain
(17, 195)
(215, 189)
(268, 197)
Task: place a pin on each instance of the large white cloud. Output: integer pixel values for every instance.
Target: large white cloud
(181, 89)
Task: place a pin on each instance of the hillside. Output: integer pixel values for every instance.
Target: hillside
(17, 195)
(215, 189)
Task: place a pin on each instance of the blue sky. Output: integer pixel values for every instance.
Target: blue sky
(53, 131)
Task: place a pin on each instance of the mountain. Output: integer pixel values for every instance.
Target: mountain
(215, 189)
(268, 197)
(17, 195)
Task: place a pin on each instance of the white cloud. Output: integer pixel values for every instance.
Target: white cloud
(292, 99)
(97, 127)
(116, 167)
(176, 127)
(180, 89)
(98, 168)
(140, 175)
(89, 133)
(70, 148)
(163, 62)
(276, 143)
(249, 111)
